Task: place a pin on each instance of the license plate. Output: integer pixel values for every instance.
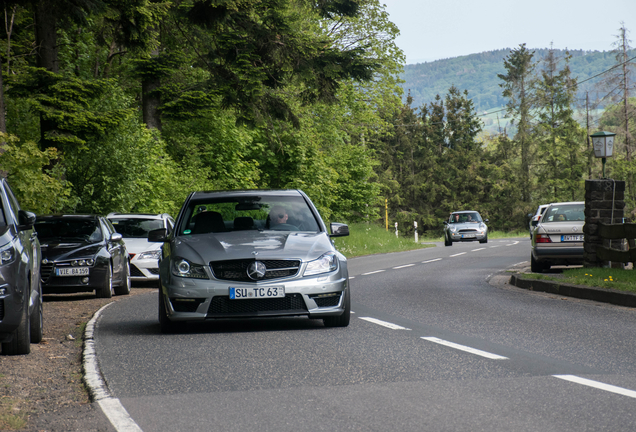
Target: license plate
(567, 238)
(256, 293)
(72, 271)
(468, 235)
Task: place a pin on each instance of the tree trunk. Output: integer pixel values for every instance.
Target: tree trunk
(46, 43)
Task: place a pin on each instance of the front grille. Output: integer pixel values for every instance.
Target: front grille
(467, 230)
(45, 271)
(1, 309)
(154, 271)
(186, 305)
(135, 272)
(236, 270)
(222, 306)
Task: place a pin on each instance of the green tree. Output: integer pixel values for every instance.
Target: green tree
(517, 89)
(561, 159)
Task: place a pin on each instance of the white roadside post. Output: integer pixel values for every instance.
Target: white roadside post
(415, 224)
(396, 231)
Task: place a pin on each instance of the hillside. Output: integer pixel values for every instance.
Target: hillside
(477, 73)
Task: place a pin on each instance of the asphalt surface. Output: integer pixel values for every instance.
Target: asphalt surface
(438, 341)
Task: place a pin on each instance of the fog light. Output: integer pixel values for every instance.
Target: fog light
(85, 279)
(3, 291)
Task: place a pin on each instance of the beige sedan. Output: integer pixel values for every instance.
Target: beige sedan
(558, 238)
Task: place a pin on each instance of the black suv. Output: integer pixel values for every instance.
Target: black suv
(20, 289)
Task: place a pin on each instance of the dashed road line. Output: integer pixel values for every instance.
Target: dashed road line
(465, 348)
(384, 323)
(431, 260)
(403, 266)
(475, 250)
(373, 272)
(598, 385)
(461, 253)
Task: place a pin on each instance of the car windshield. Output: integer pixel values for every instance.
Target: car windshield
(68, 229)
(217, 215)
(136, 227)
(464, 217)
(564, 213)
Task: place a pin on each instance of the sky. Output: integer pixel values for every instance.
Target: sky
(436, 29)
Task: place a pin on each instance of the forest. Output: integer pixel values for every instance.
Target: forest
(129, 105)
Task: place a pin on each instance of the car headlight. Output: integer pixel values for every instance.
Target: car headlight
(327, 262)
(83, 262)
(154, 254)
(184, 268)
(453, 229)
(7, 254)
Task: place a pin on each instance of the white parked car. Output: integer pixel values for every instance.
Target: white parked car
(144, 256)
(534, 220)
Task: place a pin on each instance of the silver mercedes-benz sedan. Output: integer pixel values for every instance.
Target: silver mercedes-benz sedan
(251, 254)
(558, 238)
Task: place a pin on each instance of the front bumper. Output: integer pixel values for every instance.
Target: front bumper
(52, 284)
(144, 269)
(462, 236)
(198, 300)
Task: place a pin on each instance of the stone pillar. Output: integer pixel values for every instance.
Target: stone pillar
(604, 202)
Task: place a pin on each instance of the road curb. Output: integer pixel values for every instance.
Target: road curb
(604, 295)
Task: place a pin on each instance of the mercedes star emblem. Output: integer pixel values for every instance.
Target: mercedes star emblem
(256, 270)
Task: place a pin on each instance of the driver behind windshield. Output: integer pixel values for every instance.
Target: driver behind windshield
(278, 215)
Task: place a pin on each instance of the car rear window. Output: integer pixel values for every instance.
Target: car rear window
(248, 213)
(564, 213)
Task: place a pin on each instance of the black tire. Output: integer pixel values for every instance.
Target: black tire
(106, 291)
(485, 240)
(21, 342)
(36, 321)
(167, 326)
(124, 288)
(535, 266)
(342, 320)
(447, 242)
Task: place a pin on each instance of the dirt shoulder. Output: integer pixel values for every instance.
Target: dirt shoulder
(44, 391)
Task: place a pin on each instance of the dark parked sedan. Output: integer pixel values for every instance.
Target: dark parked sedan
(82, 253)
(247, 254)
(20, 291)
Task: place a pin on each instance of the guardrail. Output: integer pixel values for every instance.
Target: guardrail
(625, 231)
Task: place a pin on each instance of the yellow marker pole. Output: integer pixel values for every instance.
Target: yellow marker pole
(386, 213)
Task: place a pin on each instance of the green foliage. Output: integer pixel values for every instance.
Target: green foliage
(369, 238)
(38, 187)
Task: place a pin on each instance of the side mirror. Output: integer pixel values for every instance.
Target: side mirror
(445, 222)
(485, 220)
(339, 230)
(26, 219)
(115, 237)
(158, 236)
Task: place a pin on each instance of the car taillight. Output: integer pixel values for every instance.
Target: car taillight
(542, 238)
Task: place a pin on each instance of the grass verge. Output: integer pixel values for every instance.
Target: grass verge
(618, 279)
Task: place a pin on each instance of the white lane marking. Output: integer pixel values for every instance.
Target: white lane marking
(384, 323)
(494, 246)
(512, 244)
(475, 250)
(404, 266)
(373, 272)
(465, 348)
(432, 260)
(461, 253)
(352, 277)
(598, 385)
(112, 407)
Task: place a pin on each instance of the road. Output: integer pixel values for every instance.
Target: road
(435, 343)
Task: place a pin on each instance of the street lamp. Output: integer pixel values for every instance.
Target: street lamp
(603, 143)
